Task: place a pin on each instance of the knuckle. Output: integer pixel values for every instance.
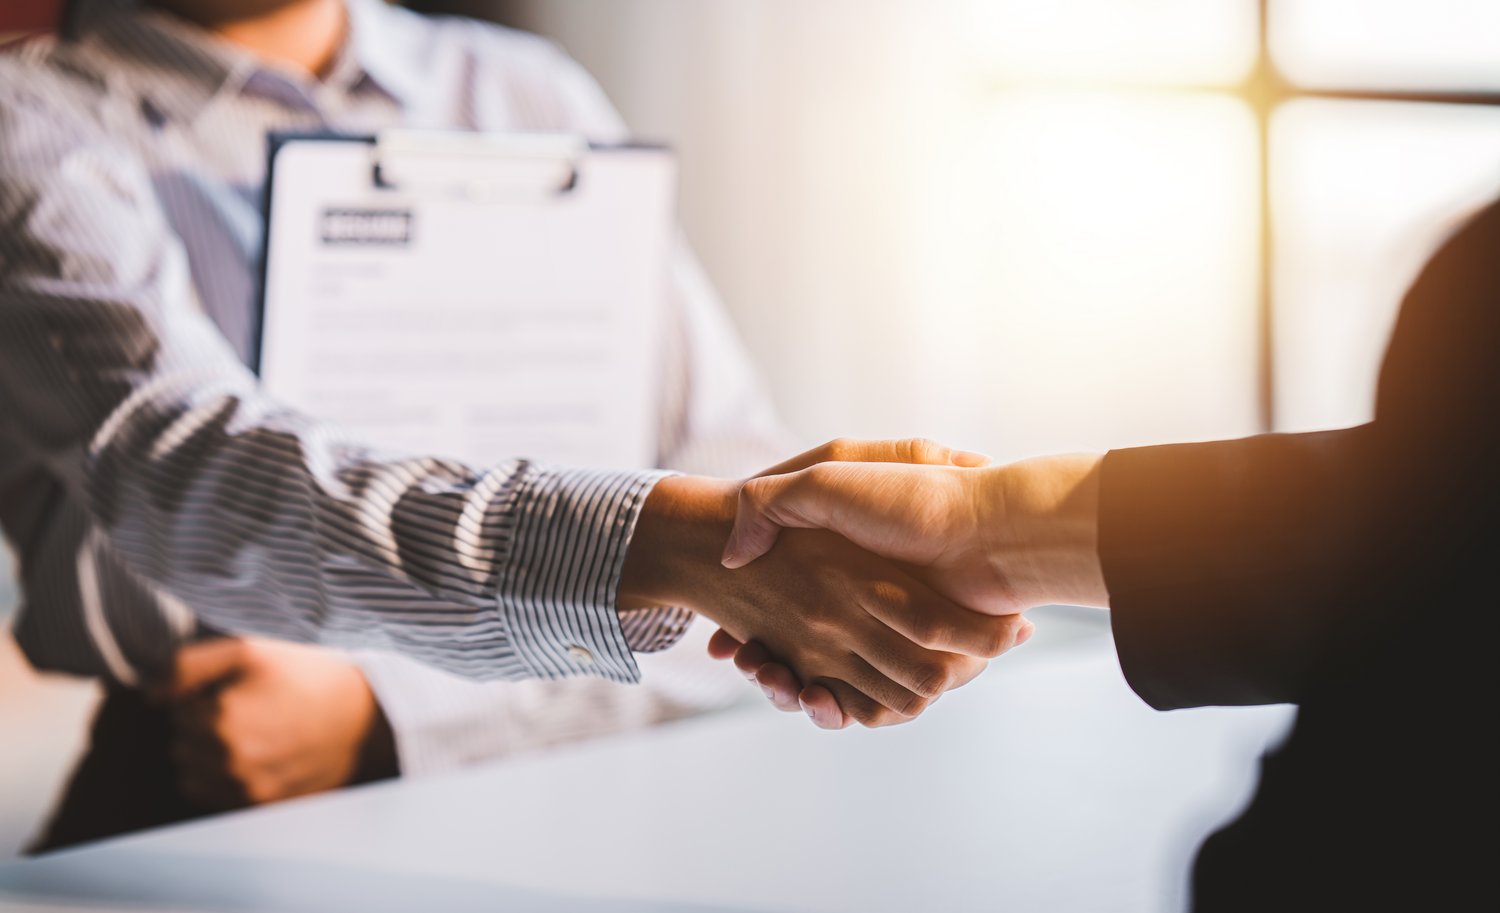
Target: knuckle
(861, 708)
(240, 651)
(931, 679)
(881, 593)
(887, 717)
(997, 638)
(912, 706)
(822, 473)
(933, 632)
(815, 478)
(840, 448)
(753, 492)
(969, 669)
(260, 790)
(865, 713)
(923, 450)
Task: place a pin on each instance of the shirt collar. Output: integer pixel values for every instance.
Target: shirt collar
(179, 67)
(183, 68)
(383, 46)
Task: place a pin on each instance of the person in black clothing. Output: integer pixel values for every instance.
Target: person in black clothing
(1350, 572)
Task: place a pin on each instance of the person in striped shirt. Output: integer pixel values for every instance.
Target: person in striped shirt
(156, 498)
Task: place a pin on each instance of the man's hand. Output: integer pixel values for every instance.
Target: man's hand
(865, 629)
(260, 720)
(999, 540)
(913, 450)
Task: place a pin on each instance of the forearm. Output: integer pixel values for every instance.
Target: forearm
(1039, 520)
(1231, 564)
(674, 553)
(272, 528)
(263, 520)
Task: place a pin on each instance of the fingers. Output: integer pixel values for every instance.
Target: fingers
(818, 701)
(823, 708)
(723, 645)
(780, 686)
(750, 657)
(889, 669)
(915, 514)
(767, 504)
(855, 707)
(200, 757)
(907, 677)
(207, 663)
(775, 680)
(752, 536)
(927, 619)
(764, 506)
(901, 684)
(762, 510)
(908, 450)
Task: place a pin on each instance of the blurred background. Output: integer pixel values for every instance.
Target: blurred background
(1019, 227)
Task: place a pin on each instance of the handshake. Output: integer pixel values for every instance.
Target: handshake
(862, 580)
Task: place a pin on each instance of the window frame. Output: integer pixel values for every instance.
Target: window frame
(1265, 88)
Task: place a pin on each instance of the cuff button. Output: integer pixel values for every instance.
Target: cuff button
(581, 655)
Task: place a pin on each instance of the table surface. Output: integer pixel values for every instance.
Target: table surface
(1046, 785)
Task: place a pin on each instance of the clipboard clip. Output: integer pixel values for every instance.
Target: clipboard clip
(485, 166)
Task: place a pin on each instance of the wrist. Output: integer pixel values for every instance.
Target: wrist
(679, 537)
(1041, 520)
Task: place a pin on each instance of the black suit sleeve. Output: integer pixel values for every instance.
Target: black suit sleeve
(1240, 571)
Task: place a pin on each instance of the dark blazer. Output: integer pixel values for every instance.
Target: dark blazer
(1353, 573)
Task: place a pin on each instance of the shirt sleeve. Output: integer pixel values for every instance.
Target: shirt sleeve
(1254, 571)
(262, 519)
(1227, 563)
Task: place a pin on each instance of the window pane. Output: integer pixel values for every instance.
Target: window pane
(1363, 193)
(1141, 41)
(1396, 44)
(1089, 275)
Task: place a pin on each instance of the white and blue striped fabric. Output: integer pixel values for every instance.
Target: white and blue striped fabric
(147, 483)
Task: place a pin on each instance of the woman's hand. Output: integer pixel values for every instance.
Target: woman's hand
(865, 628)
(998, 540)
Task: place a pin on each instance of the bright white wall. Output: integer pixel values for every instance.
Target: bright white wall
(859, 197)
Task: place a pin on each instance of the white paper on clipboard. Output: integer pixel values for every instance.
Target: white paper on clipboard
(474, 296)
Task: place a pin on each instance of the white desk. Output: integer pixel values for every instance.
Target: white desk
(1044, 786)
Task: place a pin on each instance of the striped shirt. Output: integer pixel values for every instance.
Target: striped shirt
(146, 482)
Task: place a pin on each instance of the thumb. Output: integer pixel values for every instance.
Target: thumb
(754, 533)
(906, 450)
(202, 664)
(766, 505)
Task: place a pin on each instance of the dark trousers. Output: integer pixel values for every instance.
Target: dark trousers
(126, 780)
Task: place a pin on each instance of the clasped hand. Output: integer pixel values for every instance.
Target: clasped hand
(989, 542)
(871, 631)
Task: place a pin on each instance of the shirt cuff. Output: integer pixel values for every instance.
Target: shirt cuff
(559, 582)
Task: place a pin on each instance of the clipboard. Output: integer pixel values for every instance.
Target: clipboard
(468, 295)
